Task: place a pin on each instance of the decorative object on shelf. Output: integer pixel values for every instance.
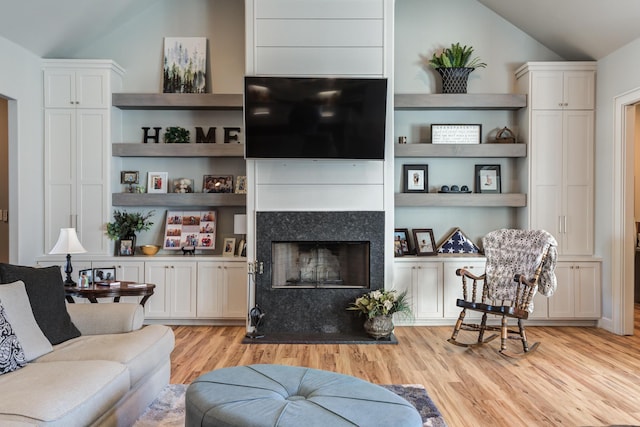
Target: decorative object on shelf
(454, 64)
(488, 179)
(183, 185)
(505, 136)
(102, 274)
(457, 243)
(456, 134)
(185, 65)
(68, 244)
(186, 229)
(241, 184)
(425, 242)
(155, 137)
(149, 249)
(85, 278)
(240, 227)
(416, 178)
(127, 247)
(256, 316)
(125, 226)
(401, 239)
(454, 189)
(217, 184)
(157, 182)
(402, 140)
(188, 250)
(176, 135)
(141, 189)
(129, 178)
(379, 306)
(229, 246)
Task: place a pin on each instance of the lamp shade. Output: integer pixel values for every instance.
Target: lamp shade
(68, 243)
(240, 224)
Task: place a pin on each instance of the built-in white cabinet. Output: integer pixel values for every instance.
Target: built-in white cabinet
(222, 289)
(175, 292)
(423, 283)
(579, 291)
(77, 150)
(559, 128)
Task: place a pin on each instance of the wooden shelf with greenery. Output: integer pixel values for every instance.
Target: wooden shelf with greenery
(177, 150)
(460, 150)
(514, 200)
(177, 101)
(179, 199)
(461, 101)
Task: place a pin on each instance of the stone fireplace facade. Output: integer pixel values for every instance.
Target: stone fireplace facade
(316, 310)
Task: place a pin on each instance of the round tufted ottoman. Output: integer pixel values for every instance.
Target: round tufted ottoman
(276, 395)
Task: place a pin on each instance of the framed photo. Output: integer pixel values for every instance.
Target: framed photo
(183, 185)
(415, 178)
(242, 248)
(126, 248)
(488, 179)
(102, 274)
(229, 246)
(157, 182)
(425, 243)
(217, 184)
(241, 184)
(85, 275)
(456, 134)
(397, 248)
(190, 229)
(402, 235)
(129, 177)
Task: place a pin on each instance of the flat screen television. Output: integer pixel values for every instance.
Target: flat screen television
(315, 118)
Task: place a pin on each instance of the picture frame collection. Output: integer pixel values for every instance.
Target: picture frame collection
(487, 178)
(90, 276)
(424, 243)
(160, 183)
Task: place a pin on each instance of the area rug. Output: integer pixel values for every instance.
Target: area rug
(168, 409)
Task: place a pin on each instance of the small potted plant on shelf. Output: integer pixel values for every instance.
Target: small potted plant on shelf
(455, 64)
(125, 226)
(379, 306)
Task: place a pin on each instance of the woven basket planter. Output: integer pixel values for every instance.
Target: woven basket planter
(454, 80)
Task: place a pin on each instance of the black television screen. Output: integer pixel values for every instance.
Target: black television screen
(315, 118)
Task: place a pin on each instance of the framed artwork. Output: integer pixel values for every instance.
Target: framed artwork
(456, 134)
(129, 177)
(183, 185)
(185, 65)
(217, 184)
(85, 277)
(415, 178)
(229, 246)
(126, 248)
(157, 182)
(402, 235)
(190, 229)
(241, 184)
(425, 242)
(102, 274)
(488, 179)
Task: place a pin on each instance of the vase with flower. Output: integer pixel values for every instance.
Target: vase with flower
(379, 306)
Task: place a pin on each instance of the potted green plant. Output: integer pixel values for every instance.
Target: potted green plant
(454, 64)
(379, 306)
(126, 225)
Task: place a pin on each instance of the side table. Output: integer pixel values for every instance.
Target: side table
(125, 289)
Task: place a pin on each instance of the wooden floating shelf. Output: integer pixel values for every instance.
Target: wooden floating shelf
(515, 200)
(462, 101)
(177, 150)
(178, 199)
(460, 150)
(177, 101)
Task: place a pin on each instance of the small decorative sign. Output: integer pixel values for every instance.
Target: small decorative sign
(455, 134)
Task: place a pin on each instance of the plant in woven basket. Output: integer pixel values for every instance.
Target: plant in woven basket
(456, 56)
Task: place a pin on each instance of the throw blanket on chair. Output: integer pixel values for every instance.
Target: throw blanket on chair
(510, 252)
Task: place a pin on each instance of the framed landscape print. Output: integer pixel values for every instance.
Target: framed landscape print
(185, 65)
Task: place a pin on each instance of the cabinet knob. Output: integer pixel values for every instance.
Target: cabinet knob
(219, 267)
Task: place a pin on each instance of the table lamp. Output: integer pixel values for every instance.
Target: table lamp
(68, 243)
(240, 227)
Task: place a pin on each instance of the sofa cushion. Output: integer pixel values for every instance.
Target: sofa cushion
(11, 354)
(46, 296)
(61, 393)
(13, 297)
(141, 351)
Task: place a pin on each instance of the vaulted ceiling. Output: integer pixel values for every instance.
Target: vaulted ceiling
(574, 29)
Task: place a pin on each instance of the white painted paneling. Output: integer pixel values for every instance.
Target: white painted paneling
(319, 32)
(319, 172)
(319, 197)
(267, 9)
(314, 61)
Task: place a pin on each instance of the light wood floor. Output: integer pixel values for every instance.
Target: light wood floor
(578, 376)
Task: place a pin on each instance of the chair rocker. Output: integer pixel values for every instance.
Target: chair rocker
(519, 264)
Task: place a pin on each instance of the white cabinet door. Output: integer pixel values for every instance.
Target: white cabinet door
(183, 289)
(159, 304)
(579, 291)
(130, 271)
(76, 88)
(562, 302)
(234, 291)
(209, 289)
(423, 283)
(453, 287)
(559, 90)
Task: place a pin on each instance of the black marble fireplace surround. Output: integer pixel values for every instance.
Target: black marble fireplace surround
(315, 314)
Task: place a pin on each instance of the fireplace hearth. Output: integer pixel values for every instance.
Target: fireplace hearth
(327, 260)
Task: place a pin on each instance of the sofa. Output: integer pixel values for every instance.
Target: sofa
(74, 364)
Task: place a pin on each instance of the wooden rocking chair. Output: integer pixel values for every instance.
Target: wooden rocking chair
(519, 263)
